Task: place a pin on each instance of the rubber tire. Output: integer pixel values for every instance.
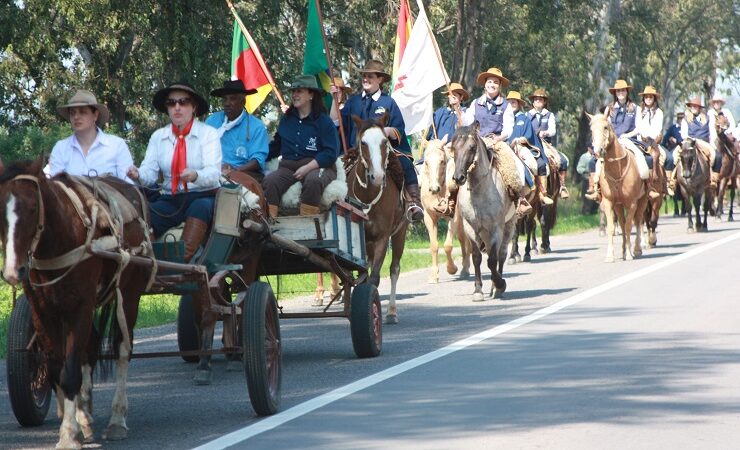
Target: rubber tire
(366, 321)
(28, 411)
(187, 333)
(263, 382)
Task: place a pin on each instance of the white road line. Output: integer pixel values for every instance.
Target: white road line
(304, 408)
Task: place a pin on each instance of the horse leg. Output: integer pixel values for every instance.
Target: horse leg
(609, 215)
(205, 324)
(84, 404)
(70, 381)
(334, 284)
(732, 202)
(697, 208)
(378, 250)
(451, 266)
(721, 197)
(498, 286)
(464, 249)
(477, 259)
(514, 256)
(431, 224)
(638, 219)
(318, 298)
(688, 201)
(398, 241)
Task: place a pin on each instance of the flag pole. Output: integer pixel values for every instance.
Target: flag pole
(331, 75)
(257, 53)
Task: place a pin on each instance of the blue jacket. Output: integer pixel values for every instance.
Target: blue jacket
(674, 131)
(445, 121)
(372, 109)
(312, 137)
(523, 128)
(245, 142)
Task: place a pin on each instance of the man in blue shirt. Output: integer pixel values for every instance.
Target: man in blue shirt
(370, 104)
(446, 118)
(671, 140)
(243, 137)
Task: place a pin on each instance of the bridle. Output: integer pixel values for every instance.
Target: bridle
(40, 224)
(361, 160)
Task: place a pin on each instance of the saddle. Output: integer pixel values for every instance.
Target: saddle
(115, 205)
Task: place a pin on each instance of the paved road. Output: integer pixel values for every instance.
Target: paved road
(579, 354)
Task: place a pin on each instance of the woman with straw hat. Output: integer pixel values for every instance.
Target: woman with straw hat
(188, 154)
(446, 118)
(543, 122)
(695, 125)
(491, 110)
(717, 104)
(649, 125)
(89, 151)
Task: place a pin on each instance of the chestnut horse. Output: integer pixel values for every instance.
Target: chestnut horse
(434, 185)
(488, 212)
(368, 182)
(693, 177)
(730, 167)
(623, 191)
(42, 220)
(656, 183)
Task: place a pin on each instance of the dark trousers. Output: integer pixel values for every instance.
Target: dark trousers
(171, 210)
(409, 174)
(279, 181)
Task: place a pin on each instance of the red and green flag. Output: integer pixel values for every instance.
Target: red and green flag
(248, 65)
(403, 31)
(315, 61)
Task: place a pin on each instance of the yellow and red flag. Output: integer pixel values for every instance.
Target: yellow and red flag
(248, 65)
(403, 31)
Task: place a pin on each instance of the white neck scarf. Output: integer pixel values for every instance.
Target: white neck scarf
(229, 125)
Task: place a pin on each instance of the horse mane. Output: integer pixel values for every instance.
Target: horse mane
(20, 167)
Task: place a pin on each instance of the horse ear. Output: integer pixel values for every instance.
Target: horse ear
(590, 117)
(476, 126)
(449, 151)
(37, 166)
(444, 139)
(383, 120)
(357, 120)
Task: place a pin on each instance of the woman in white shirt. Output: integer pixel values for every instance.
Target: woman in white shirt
(188, 153)
(89, 151)
(649, 126)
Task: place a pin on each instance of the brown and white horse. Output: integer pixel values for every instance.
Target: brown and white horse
(623, 191)
(730, 167)
(656, 183)
(39, 222)
(434, 181)
(369, 182)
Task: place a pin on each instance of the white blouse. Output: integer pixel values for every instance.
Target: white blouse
(108, 154)
(649, 123)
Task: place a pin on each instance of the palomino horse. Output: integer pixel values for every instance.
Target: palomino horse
(623, 191)
(368, 182)
(44, 223)
(730, 167)
(693, 177)
(433, 182)
(488, 213)
(656, 183)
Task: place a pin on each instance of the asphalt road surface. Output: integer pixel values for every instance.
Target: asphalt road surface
(579, 354)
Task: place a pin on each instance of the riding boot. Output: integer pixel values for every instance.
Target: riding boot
(193, 234)
(414, 213)
(714, 180)
(563, 189)
(670, 182)
(523, 207)
(594, 192)
(273, 210)
(308, 210)
(542, 187)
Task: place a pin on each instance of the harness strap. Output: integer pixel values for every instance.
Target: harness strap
(42, 213)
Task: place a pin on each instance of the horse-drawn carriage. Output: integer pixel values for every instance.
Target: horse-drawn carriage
(222, 282)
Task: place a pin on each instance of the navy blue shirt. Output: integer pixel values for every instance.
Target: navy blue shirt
(314, 136)
(445, 121)
(674, 131)
(368, 108)
(523, 128)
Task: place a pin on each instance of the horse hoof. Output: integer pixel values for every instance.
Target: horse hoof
(74, 445)
(535, 251)
(499, 291)
(730, 219)
(478, 297)
(638, 253)
(234, 365)
(546, 250)
(689, 230)
(391, 319)
(202, 377)
(433, 280)
(318, 301)
(527, 258)
(518, 258)
(115, 432)
(609, 259)
(86, 434)
(464, 274)
(452, 270)
(512, 261)
(602, 233)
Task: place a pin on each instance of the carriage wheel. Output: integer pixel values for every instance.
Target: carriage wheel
(187, 333)
(366, 321)
(262, 348)
(28, 383)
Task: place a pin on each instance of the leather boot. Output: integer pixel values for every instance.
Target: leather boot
(594, 193)
(193, 234)
(273, 210)
(670, 183)
(714, 180)
(414, 213)
(563, 189)
(523, 207)
(542, 187)
(308, 210)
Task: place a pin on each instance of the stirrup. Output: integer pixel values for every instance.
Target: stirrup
(564, 192)
(410, 211)
(593, 195)
(523, 208)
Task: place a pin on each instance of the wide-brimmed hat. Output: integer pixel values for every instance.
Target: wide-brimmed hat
(694, 101)
(458, 88)
(339, 83)
(717, 99)
(375, 66)
(619, 84)
(201, 105)
(539, 92)
(232, 87)
(305, 82)
(84, 97)
(515, 95)
(492, 72)
(649, 90)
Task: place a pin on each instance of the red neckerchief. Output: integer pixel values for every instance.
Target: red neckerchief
(180, 156)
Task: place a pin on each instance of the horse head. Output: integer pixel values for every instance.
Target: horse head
(689, 154)
(372, 145)
(465, 144)
(21, 221)
(602, 132)
(435, 164)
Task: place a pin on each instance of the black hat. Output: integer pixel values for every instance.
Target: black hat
(201, 105)
(232, 87)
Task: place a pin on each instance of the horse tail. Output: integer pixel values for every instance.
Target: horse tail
(109, 338)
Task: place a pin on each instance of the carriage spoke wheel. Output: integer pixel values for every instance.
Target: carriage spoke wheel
(366, 321)
(28, 382)
(262, 348)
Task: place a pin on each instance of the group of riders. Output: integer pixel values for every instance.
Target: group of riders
(186, 159)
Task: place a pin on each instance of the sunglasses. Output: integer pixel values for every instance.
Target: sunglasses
(184, 101)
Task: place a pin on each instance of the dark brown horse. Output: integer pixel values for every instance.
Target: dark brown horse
(656, 191)
(730, 167)
(40, 221)
(369, 181)
(693, 176)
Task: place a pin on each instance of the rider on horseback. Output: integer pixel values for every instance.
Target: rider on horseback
(696, 126)
(544, 125)
(649, 125)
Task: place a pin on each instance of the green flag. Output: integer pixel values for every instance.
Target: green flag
(314, 55)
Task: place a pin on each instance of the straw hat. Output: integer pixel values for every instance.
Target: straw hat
(515, 95)
(458, 88)
(717, 99)
(339, 82)
(375, 66)
(492, 72)
(695, 101)
(650, 90)
(85, 98)
(201, 105)
(620, 84)
(539, 93)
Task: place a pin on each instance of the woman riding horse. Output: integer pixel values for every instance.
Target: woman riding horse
(544, 123)
(696, 126)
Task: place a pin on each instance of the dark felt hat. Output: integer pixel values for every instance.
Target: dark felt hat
(232, 87)
(201, 105)
(305, 82)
